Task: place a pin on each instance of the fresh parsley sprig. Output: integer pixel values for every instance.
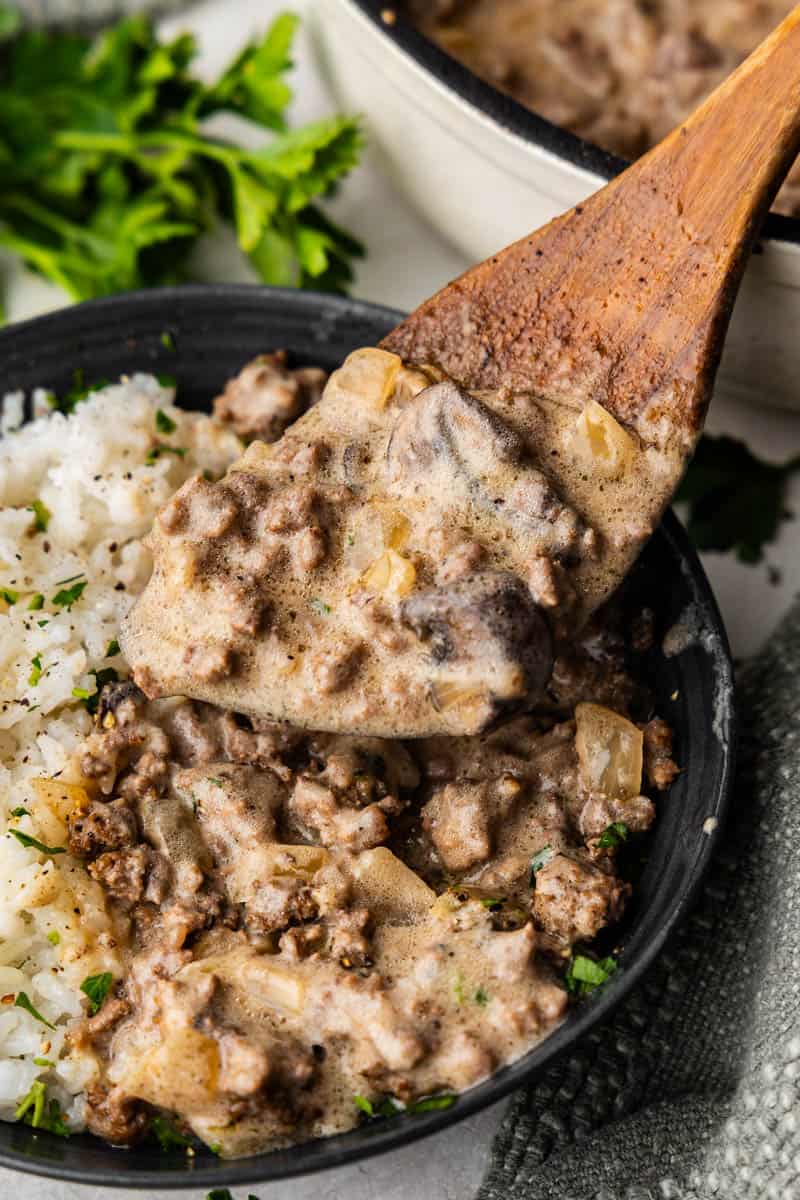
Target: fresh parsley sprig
(735, 500)
(35, 1110)
(110, 174)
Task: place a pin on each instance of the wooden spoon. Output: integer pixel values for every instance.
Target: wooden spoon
(588, 351)
(626, 298)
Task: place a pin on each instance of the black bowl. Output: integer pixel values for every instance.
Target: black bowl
(215, 330)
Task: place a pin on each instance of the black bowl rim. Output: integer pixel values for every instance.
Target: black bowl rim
(402, 1131)
(517, 119)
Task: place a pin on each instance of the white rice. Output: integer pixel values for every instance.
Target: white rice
(89, 470)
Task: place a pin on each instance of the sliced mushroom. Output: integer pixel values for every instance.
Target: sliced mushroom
(447, 438)
(486, 633)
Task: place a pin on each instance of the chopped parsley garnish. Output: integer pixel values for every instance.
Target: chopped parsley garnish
(70, 595)
(91, 699)
(389, 1107)
(112, 649)
(320, 607)
(736, 501)
(43, 1062)
(41, 515)
(164, 423)
(613, 835)
(23, 1001)
(97, 987)
(540, 859)
(167, 340)
(585, 974)
(80, 391)
(10, 596)
(161, 448)
(213, 779)
(42, 624)
(19, 811)
(168, 1136)
(33, 843)
(35, 1110)
(36, 670)
(491, 903)
(481, 997)
(431, 1104)
(36, 602)
(54, 937)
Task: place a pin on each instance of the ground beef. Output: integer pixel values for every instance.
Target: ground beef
(131, 875)
(574, 900)
(461, 817)
(102, 827)
(317, 808)
(267, 395)
(115, 1117)
(659, 767)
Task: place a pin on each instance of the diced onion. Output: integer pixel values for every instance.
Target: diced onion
(390, 575)
(609, 751)
(601, 442)
(455, 695)
(295, 860)
(368, 375)
(63, 799)
(396, 528)
(391, 890)
(277, 987)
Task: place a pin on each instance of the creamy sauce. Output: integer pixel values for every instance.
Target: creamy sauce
(399, 562)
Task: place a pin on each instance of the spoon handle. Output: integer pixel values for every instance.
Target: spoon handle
(626, 298)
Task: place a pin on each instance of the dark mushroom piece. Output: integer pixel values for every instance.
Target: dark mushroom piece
(448, 439)
(485, 634)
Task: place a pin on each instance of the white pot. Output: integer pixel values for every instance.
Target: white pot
(484, 171)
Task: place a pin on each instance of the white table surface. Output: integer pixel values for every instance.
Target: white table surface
(406, 262)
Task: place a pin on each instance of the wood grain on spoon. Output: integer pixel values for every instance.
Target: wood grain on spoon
(625, 299)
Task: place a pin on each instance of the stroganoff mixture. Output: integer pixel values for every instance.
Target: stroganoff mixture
(301, 930)
(620, 73)
(398, 562)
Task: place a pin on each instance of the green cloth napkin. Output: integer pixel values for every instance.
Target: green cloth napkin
(693, 1089)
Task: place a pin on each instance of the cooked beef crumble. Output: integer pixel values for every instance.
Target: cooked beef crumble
(289, 892)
